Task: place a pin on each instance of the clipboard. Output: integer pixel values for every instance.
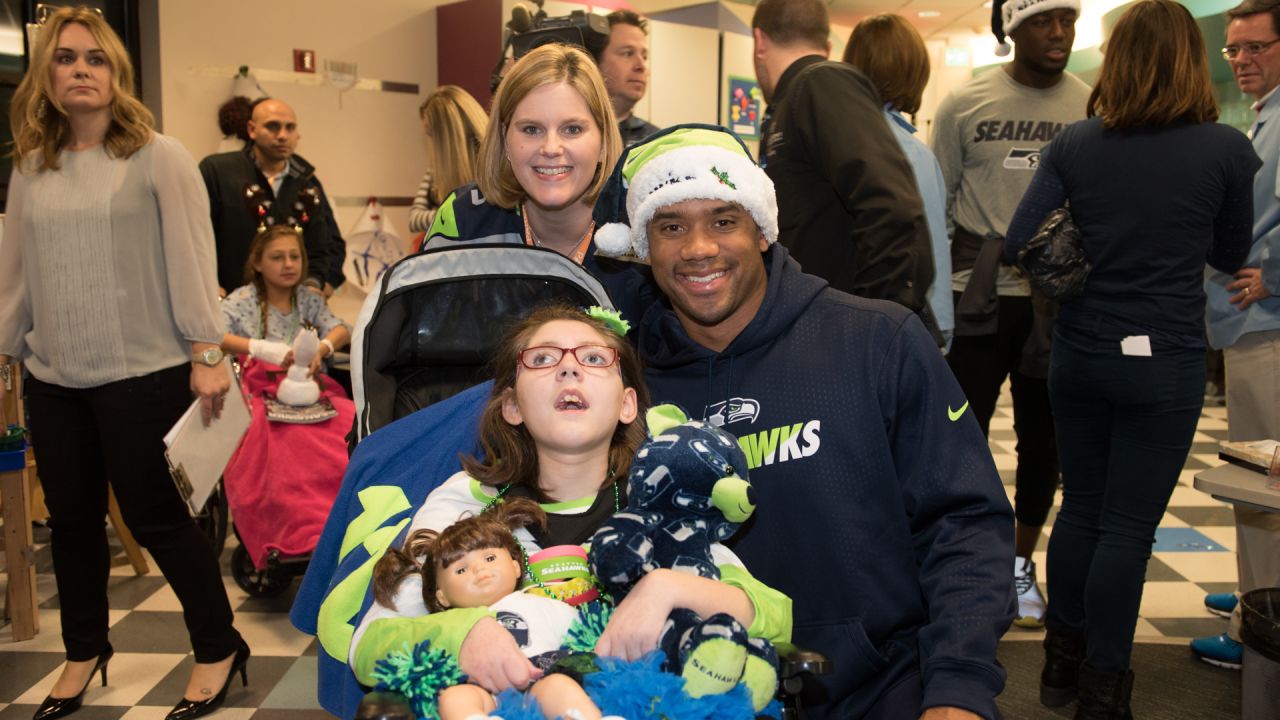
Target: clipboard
(196, 454)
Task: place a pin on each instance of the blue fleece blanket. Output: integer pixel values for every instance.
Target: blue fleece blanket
(388, 478)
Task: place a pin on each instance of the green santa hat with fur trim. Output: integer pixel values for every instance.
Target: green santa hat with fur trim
(683, 162)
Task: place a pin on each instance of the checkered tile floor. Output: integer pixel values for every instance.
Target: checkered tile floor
(1194, 554)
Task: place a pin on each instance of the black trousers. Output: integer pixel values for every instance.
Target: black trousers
(85, 438)
(980, 364)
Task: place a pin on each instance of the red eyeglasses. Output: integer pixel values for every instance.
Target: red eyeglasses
(544, 357)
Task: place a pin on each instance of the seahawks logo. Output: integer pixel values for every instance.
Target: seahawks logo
(516, 625)
(732, 410)
(1022, 159)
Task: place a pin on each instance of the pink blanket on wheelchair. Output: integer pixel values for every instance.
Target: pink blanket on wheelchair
(283, 478)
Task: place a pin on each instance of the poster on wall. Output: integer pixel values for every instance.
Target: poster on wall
(746, 107)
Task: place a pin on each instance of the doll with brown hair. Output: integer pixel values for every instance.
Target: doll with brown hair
(478, 563)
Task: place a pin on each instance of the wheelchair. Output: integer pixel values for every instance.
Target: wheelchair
(437, 317)
(275, 574)
(424, 339)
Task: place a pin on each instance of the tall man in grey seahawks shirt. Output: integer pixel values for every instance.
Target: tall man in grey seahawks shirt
(987, 136)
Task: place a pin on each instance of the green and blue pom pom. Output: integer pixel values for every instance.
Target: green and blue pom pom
(585, 631)
(419, 673)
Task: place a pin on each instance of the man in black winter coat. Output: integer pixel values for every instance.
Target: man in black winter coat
(266, 184)
(848, 207)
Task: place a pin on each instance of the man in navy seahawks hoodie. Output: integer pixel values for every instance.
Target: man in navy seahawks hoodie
(880, 511)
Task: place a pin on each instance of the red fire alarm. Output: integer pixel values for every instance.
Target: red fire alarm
(304, 61)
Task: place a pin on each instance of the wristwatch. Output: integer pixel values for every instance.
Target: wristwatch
(211, 357)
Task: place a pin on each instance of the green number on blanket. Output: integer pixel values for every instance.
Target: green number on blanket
(334, 624)
(380, 502)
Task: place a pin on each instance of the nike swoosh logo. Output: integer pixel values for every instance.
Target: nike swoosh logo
(954, 415)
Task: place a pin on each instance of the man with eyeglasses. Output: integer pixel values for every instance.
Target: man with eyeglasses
(987, 136)
(1243, 317)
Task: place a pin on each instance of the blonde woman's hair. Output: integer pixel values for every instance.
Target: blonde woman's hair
(549, 64)
(39, 122)
(455, 124)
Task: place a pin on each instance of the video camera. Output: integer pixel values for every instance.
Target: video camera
(527, 30)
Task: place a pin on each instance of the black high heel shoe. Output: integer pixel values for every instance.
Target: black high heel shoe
(53, 708)
(191, 709)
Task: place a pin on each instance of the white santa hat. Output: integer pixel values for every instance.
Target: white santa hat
(684, 162)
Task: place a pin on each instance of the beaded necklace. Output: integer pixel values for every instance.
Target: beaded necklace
(503, 491)
(524, 554)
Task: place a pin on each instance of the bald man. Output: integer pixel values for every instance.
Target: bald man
(265, 184)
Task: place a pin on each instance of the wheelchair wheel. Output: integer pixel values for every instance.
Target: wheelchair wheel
(212, 520)
(258, 583)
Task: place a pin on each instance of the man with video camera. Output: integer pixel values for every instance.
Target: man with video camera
(618, 43)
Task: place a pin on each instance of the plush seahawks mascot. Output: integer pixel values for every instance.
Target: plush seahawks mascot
(687, 489)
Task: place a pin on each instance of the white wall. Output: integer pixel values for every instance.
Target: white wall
(943, 79)
(370, 144)
(683, 64)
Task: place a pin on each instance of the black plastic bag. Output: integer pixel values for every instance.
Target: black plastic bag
(1054, 260)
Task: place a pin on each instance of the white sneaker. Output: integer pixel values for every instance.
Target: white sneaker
(1030, 601)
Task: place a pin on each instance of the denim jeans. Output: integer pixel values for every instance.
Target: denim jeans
(1124, 427)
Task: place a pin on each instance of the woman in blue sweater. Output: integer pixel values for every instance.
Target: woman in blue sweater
(1157, 189)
